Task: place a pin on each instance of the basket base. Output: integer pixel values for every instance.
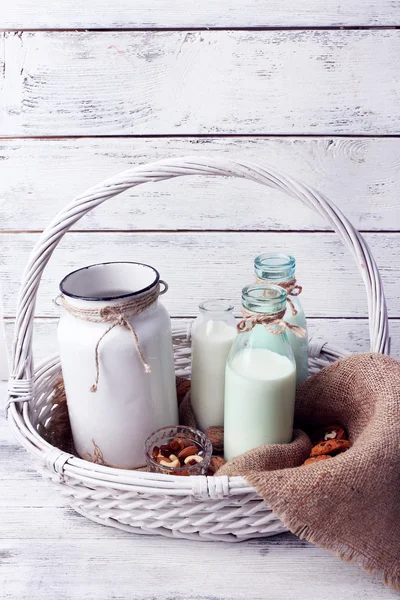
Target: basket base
(140, 529)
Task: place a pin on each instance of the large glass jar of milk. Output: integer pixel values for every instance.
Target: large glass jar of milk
(213, 333)
(260, 382)
(117, 361)
(280, 269)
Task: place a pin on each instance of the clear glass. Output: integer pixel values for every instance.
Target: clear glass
(191, 437)
(276, 268)
(213, 334)
(260, 382)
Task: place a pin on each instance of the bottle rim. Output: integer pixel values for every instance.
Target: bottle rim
(216, 305)
(275, 261)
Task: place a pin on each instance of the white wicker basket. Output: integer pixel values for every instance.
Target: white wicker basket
(206, 508)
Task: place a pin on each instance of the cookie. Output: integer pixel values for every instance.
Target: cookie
(314, 459)
(330, 447)
(328, 432)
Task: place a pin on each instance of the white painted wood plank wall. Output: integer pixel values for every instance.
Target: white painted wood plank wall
(91, 88)
(204, 92)
(361, 175)
(101, 14)
(208, 82)
(200, 265)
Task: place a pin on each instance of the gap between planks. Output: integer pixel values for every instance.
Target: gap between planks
(202, 231)
(194, 29)
(202, 136)
(39, 318)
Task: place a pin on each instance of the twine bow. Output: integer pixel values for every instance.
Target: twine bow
(117, 314)
(291, 287)
(273, 323)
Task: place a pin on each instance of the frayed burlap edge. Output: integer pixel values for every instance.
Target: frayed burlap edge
(305, 532)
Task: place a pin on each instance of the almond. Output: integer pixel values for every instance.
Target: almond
(182, 441)
(176, 445)
(188, 451)
(186, 443)
(156, 452)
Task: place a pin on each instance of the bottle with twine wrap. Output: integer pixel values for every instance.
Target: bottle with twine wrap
(117, 359)
(280, 269)
(260, 382)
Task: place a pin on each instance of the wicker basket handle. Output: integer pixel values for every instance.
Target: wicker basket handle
(20, 385)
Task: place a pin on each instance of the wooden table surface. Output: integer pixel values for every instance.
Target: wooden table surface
(49, 552)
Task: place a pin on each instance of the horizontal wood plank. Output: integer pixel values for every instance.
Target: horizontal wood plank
(208, 265)
(361, 175)
(28, 14)
(350, 334)
(122, 566)
(289, 82)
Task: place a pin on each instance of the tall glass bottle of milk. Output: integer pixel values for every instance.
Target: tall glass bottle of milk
(280, 269)
(213, 333)
(260, 382)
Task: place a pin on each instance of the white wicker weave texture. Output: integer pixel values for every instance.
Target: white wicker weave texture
(193, 507)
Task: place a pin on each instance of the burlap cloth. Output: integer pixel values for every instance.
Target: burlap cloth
(349, 504)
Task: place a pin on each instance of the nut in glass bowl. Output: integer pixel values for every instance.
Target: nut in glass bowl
(178, 451)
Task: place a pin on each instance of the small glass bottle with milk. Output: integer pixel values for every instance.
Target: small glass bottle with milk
(280, 269)
(260, 382)
(213, 333)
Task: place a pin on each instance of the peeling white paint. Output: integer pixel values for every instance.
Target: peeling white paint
(288, 82)
(190, 13)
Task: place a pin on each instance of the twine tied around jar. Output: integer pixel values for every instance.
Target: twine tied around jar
(98, 458)
(251, 319)
(116, 314)
(291, 287)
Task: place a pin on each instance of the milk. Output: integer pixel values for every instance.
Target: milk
(260, 390)
(299, 345)
(211, 343)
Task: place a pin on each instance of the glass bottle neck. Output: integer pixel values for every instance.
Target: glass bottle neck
(215, 307)
(216, 310)
(275, 267)
(263, 298)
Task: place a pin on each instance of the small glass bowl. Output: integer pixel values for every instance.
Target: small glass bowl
(164, 436)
